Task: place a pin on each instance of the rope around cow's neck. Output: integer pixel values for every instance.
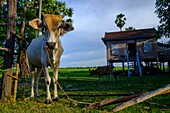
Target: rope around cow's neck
(52, 67)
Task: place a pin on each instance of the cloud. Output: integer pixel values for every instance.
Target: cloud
(83, 59)
(92, 18)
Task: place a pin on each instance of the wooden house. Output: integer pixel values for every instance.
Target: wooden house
(127, 46)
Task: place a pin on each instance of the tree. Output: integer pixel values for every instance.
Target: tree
(130, 29)
(48, 6)
(163, 13)
(120, 21)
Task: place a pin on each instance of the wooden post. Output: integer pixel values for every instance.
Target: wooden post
(8, 58)
(40, 7)
(168, 66)
(123, 67)
(160, 66)
(16, 82)
(163, 66)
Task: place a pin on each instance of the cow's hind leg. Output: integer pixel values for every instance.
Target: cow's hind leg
(39, 70)
(32, 71)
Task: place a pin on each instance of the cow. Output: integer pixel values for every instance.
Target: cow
(104, 70)
(46, 50)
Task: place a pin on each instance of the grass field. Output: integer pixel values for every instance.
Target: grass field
(77, 81)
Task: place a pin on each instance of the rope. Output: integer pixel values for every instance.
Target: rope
(52, 67)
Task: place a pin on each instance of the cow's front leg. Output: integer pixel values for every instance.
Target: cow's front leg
(55, 81)
(48, 81)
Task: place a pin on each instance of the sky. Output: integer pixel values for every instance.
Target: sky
(83, 46)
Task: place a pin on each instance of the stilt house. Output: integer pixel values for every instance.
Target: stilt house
(134, 46)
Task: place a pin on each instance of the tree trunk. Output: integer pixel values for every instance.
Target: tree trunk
(24, 66)
(8, 58)
(23, 60)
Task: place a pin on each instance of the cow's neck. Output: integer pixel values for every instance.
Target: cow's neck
(54, 55)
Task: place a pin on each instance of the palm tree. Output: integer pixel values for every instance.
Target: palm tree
(130, 29)
(120, 21)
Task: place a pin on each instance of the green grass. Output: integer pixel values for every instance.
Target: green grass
(78, 81)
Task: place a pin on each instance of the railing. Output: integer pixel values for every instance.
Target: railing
(134, 59)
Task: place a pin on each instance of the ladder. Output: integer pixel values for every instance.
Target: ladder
(132, 66)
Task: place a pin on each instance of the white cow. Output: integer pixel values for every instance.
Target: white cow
(46, 50)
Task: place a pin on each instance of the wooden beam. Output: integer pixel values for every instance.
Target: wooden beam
(3, 24)
(4, 49)
(112, 101)
(7, 50)
(94, 95)
(17, 36)
(14, 77)
(143, 97)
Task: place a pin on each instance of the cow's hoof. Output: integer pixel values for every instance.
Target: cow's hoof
(56, 99)
(49, 101)
(31, 97)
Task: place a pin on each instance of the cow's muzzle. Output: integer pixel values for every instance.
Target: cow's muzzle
(51, 45)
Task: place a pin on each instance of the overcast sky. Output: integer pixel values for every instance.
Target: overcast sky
(92, 18)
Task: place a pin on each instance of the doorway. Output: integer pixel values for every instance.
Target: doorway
(132, 49)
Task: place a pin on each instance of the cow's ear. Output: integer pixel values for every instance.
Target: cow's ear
(65, 27)
(36, 23)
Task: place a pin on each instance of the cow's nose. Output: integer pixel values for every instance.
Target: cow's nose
(50, 45)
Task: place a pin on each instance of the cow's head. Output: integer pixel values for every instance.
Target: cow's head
(54, 28)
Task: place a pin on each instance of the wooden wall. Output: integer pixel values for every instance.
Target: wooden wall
(117, 50)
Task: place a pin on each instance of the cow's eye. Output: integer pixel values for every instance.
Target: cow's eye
(59, 27)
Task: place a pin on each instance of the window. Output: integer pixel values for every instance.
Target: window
(115, 49)
(147, 47)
